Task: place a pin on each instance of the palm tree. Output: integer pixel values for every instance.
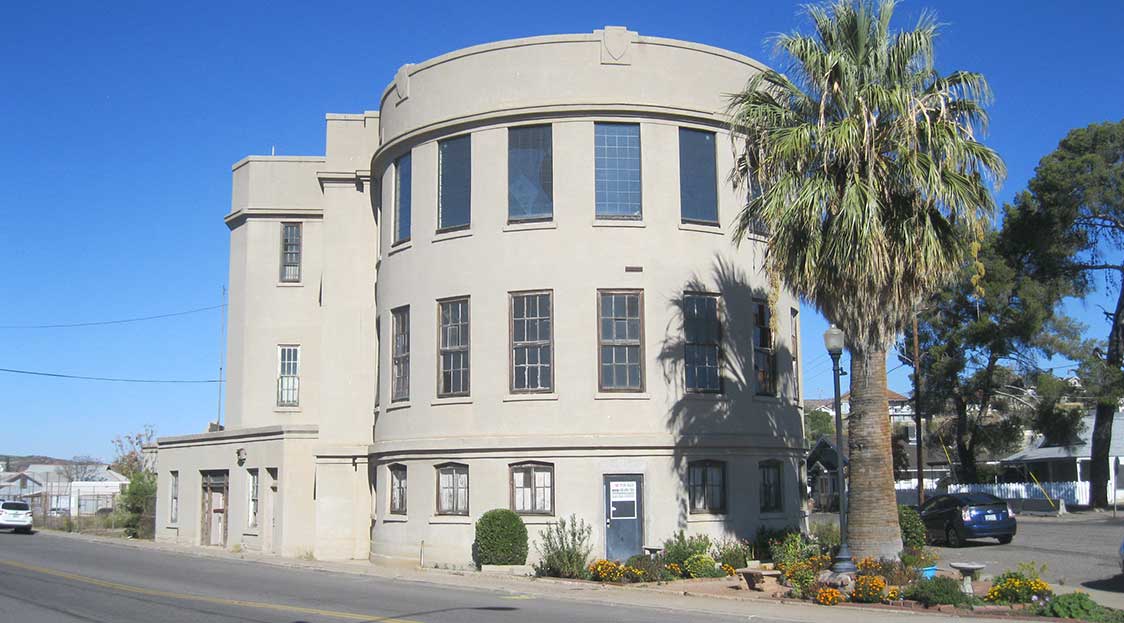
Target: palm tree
(863, 164)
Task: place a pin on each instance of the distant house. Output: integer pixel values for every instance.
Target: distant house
(49, 486)
(1068, 462)
(823, 460)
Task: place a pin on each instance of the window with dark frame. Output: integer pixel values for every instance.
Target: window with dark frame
(402, 197)
(288, 375)
(617, 170)
(397, 489)
(174, 510)
(453, 365)
(764, 353)
(454, 185)
(794, 319)
(698, 177)
(400, 381)
(707, 486)
(532, 342)
(452, 489)
(530, 173)
(290, 252)
(532, 488)
(620, 331)
(772, 500)
(702, 343)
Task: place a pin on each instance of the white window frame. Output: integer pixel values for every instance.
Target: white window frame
(288, 375)
(253, 482)
(174, 500)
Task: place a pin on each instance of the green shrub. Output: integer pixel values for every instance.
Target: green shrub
(138, 494)
(913, 529)
(680, 547)
(1073, 606)
(653, 568)
(501, 538)
(733, 552)
(763, 542)
(792, 549)
(1022, 586)
(826, 534)
(938, 591)
(564, 549)
(702, 566)
(918, 558)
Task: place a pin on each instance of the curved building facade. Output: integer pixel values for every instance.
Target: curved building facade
(555, 318)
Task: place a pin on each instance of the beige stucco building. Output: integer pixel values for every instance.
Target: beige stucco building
(513, 286)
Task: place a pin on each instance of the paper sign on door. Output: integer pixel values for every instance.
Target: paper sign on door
(622, 499)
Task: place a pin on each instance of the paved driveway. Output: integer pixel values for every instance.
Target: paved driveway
(1080, 551)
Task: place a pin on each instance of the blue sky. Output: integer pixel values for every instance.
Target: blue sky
(119, 122)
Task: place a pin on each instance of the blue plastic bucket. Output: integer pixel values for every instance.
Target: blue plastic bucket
(929, 572)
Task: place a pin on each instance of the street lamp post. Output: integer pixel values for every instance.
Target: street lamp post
(833, 340)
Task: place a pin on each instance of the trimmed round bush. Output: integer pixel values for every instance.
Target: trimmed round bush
(913, 529)
(501, 538)
(702, 566)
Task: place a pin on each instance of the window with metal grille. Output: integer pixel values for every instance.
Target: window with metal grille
(764, 355)
(174, 510)
(795, 337)
(453, 359)
(772, 500)
(532, 342)
(532, 488)
(400, 383)
(290, 252)
(452, 489)
(252, 498)
(617, 170)
(398, 489)
(288, 378)
(454, 186)
(707, 486)
(620, 338)
(702, 343)
(402, 177)
(698, 177)
(530, 174)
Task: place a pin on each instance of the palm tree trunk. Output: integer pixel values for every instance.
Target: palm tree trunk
(872, 516)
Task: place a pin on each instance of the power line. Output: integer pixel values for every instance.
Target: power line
(106, 322)
(108, 379)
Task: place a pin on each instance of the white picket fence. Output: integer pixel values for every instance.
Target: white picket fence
(1074, 493)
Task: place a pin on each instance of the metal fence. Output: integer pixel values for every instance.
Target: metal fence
(87, 506)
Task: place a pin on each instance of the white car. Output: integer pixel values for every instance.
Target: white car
(15, 516)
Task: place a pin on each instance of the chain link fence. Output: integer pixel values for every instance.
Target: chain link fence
(87, 507)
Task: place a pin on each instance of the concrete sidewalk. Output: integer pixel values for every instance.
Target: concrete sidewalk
(716, 597)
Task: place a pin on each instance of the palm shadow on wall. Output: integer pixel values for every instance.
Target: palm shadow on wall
(708, 426)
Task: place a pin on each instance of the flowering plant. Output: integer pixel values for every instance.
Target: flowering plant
(729, 569)
(868, 589)
(828, 596)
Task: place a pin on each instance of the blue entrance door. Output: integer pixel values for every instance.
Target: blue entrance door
(624, 516)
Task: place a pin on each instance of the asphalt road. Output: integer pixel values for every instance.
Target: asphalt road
(1080, 551)
(48, 578)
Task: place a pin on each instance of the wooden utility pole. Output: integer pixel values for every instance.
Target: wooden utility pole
(917, 415)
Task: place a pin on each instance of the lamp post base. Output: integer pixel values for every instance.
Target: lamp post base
(844, 562)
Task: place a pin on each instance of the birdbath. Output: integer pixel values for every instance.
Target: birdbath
(967, 570)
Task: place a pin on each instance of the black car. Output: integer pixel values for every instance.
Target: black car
(954, 517)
